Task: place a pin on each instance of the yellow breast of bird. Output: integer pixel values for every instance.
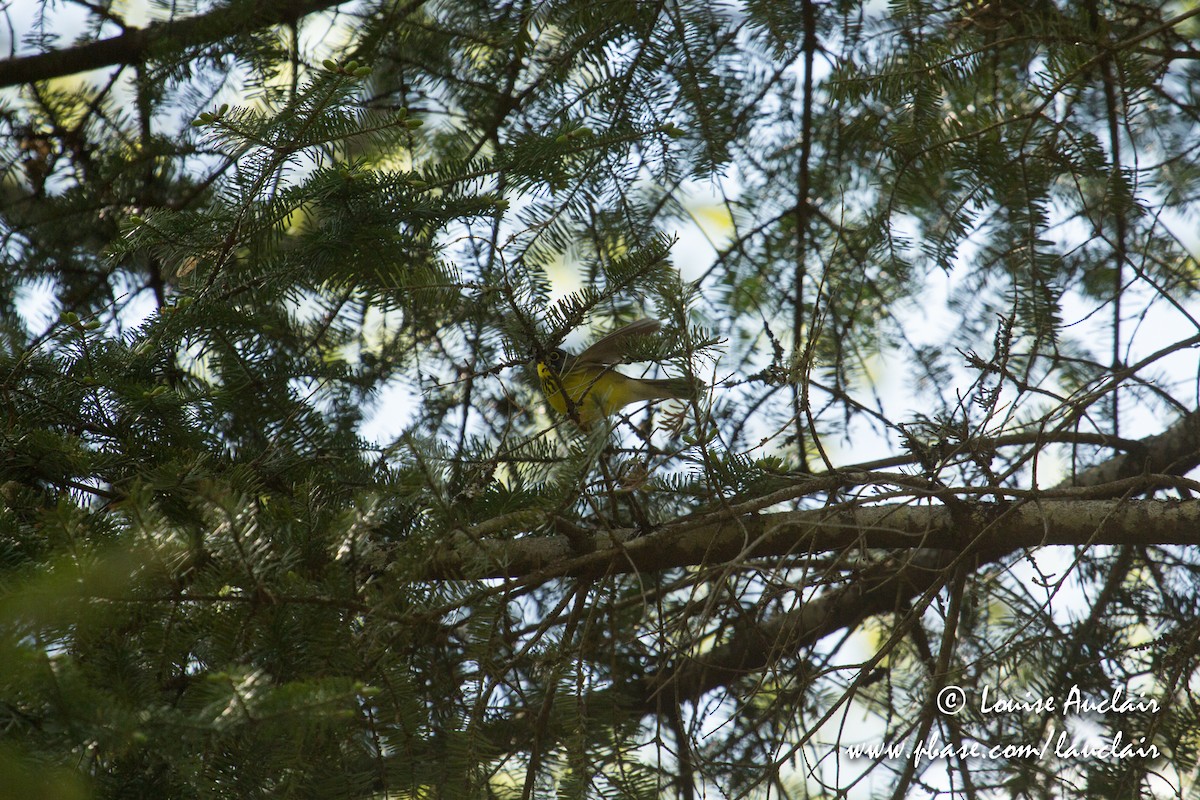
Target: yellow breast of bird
(588, 400)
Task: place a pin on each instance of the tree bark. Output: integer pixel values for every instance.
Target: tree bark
(136, 45)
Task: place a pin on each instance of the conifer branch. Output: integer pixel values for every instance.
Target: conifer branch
(1079, 511)
(137, 45)
(1029, 522)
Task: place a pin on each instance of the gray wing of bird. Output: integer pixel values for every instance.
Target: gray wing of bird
(608, 348)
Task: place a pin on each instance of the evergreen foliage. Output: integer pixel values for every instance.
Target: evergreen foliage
(285, 514)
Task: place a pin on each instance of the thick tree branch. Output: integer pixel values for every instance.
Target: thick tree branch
(1073, 513)
(882, 588)
(1175, 451)
(996, 527)
(137, 45)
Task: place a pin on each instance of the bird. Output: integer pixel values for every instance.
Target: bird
(593, 388)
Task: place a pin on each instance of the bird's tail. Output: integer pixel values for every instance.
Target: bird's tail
(667, 389)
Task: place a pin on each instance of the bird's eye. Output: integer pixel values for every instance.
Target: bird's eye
(554, 356)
